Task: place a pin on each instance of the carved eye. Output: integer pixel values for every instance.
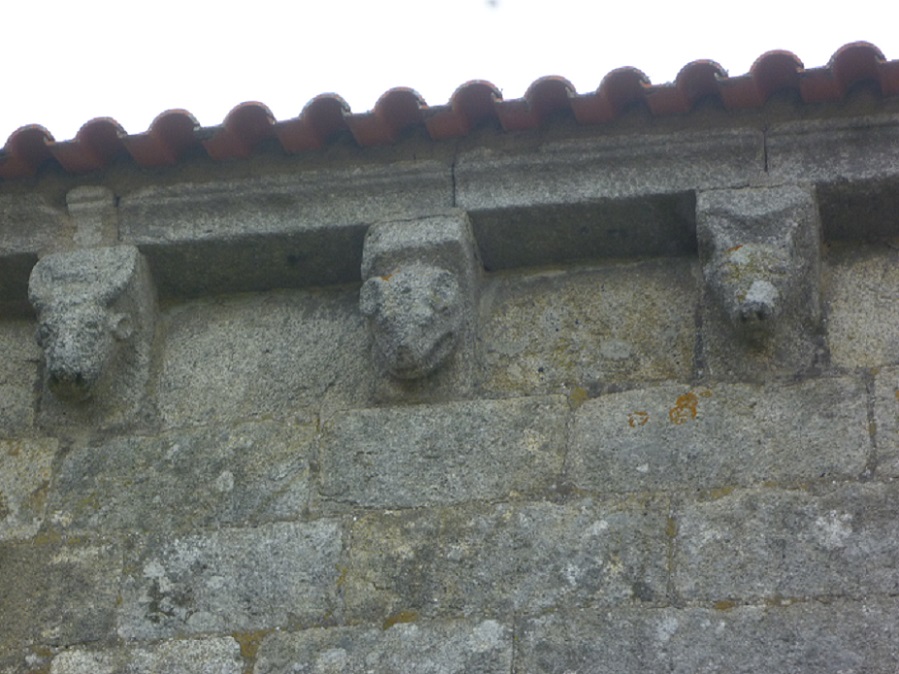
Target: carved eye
(369, 296)
(43, 334)
(121, 326)
(444, 292)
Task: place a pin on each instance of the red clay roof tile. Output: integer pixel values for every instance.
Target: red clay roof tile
(175, 133)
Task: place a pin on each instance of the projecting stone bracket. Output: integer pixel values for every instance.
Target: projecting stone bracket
(419, 292)
(760, 255)
(96, 314)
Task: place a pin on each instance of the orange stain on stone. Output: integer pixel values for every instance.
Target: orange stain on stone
(637, 418)
(685, 408)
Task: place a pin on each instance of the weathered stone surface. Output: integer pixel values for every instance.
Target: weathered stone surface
(18, 376)
(548, 330)
(677, 437)
(862, 212)
(202, 656)
(231, 580)
(299, 229)
(25, 471)
(507, 558)
(886, 421)
(31, 225)
(564, 171)
(96, 316)
(843, 540)
(429, 648)
(816, 151)
(806, 638)
(440, 454)
(760, 254)
(182, 480)
(620, 641)
(420, 292)
(93, 210)
(863, 305)
(276, 355)
(55, 595)
(616, 196)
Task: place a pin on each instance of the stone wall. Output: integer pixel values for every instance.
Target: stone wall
(664, 436)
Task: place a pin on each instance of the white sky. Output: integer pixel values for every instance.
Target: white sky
(68, 61)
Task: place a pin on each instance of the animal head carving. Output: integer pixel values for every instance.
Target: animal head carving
(420, 283)
(759, 249)
(753, 282)
(94, 309)
(415, 315)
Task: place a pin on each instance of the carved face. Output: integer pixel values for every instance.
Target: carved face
(751, 280)
(415, 316)
(79, 341)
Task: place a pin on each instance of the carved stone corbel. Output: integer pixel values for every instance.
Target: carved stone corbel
(419, 293)
(96, 315)
(760, 255)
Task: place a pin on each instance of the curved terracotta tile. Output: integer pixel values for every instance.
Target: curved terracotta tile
(471, 104)
(25, 151)
(852, 63)
(321, 119)
(169, 137)
(395, 111)
(95, 146)
(175, 133)
(245, 126)
(696, 80)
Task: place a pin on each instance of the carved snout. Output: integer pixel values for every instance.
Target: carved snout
(79, 342)
(760, 304)
(749, 281)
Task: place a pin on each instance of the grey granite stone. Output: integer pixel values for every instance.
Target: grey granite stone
(617, 641)
(96, 326)
(467, 647)
(760, 254)
(863, 305)
(831, 150)
(184, 480)
(886, 421)
(19, 377)
(299, 229)
(549, 331)
(93, 210)
(281, 355)
(677, 437)
(764, 544)
(25, 473)
(31, 225)
(57, 595)
(440, 454)
(201, 656)
(231, 580)
(838, 637)
(841, 637)
(420, 293)
(496, 560)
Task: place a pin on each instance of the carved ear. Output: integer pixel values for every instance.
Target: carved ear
(370, 296)
(42, 335)
(121, 326)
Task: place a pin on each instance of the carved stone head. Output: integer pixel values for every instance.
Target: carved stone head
(760, 250)
(753, 282)
(419, 291)
(415, 315)
(95, 312)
